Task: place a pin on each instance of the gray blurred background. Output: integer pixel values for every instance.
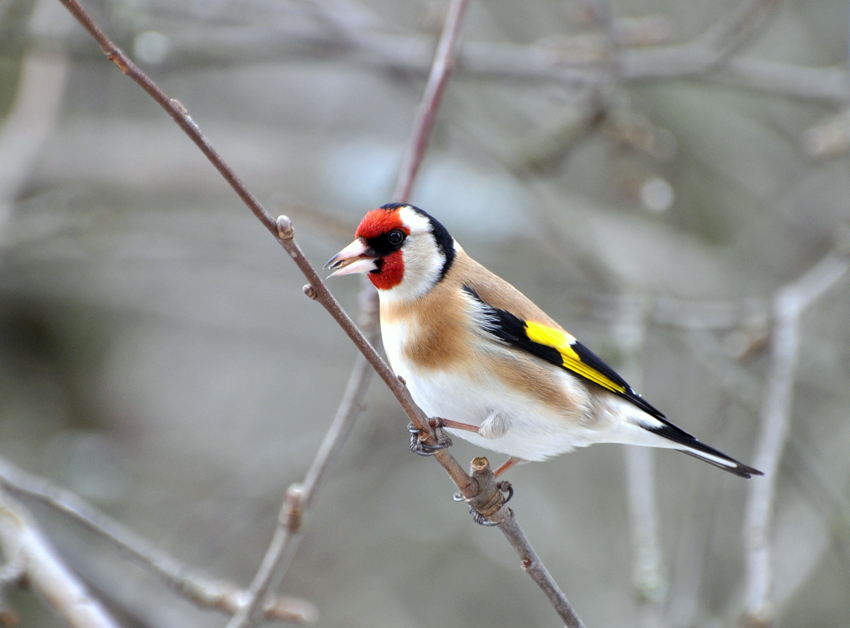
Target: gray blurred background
(158, 357)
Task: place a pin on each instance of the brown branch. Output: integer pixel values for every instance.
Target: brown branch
(489, 502)
(300, 497)
(194, 586)
(789, 305)
(445, 59)
(283, 230)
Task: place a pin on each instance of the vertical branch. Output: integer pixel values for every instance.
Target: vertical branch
(648, 578)
(788, 307)
(444, 62)
(39, 94)
(299, 498)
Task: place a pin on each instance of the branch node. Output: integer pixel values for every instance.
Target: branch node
(118, 59)
(293, 513)
(179, 106)
(285, 230)
(310, 292)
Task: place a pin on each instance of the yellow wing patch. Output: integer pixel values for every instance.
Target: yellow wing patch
(576, 357)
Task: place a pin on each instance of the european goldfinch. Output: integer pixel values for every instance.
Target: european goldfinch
(478, 354)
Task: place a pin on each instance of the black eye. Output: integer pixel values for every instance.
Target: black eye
(395, 237)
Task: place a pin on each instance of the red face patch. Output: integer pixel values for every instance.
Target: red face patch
(375, 224)
(378, 222)
(391, 273)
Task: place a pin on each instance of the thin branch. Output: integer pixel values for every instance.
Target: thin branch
(284, 233)
(289, 531)
(789, 305)
(648, 578)
(485, 502)
(194, 586)
(537, 571)
(736, 28)
(44, 570)
(300, 497)
(445, 59)
(27, 124)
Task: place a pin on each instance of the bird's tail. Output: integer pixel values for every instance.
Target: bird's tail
(695, 448)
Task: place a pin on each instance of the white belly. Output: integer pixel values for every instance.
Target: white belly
(533, 431)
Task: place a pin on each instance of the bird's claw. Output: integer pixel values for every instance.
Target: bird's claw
(483, 516)
(420, 447)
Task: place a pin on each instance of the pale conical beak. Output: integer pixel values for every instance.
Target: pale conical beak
(355, 258)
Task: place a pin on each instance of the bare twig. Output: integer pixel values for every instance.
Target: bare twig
(196, 587)
(648, 578)
(537, 571)
(299, 497)
(736, 28)
(489, 502)
(789, 305)
(284, 232)
(28, 122)
(444, 62)
(24, 545)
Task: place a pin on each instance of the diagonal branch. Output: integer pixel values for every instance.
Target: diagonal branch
(192, 585)
(283, 231)
(300, 497)
(37, 563)
(289, 531)
(445, 59)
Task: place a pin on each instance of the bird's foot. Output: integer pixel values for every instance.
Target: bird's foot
(420, 447)
(482, 513)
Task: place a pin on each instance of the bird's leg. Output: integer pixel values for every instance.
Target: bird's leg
(420, 447)
(510, 463)
(456, 425)
(492, 427)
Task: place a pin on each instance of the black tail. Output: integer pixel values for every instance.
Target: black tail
(693, 447)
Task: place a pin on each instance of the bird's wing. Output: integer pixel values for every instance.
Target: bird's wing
(557, 347)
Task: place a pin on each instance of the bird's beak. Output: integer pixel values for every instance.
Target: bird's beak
(355, 258)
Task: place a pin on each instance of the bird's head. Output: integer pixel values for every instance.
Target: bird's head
(403, 250)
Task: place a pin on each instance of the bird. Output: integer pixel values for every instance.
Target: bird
(488, 364)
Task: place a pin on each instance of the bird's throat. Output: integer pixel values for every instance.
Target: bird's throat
(390, 271)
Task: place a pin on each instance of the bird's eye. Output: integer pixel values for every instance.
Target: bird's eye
(395, 237)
